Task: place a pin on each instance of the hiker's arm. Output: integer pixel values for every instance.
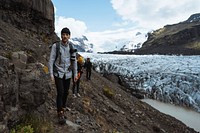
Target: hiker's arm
(75, 68)
(52, 59)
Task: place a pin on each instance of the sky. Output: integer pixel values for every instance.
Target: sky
(174, 78)
(104, 21)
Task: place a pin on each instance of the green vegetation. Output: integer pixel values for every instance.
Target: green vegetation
(195, 45)
(22, 129)
(108, 92)
(33, 124)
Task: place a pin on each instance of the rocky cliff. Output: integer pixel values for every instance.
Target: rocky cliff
(27, 26)
(35, 16)
(26, 30)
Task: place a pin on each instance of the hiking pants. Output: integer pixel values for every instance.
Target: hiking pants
(76, 85)
(62, 86)
(75, 88)
(88, 73)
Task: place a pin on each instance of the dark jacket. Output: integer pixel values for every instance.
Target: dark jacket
(88, 65)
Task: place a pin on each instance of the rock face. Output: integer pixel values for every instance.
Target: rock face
(182, 38)
(35, 16)
(21, 91)
(8, 92)
(26, 30)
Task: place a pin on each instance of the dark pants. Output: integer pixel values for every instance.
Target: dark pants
(76, 85)
(88, 73)
(62, 86)
(75, 88)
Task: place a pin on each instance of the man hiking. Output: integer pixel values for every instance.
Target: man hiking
(61, 63)
(88, 66)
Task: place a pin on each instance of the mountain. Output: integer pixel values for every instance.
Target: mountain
(26, 30)
(135, 42)
(82, 44)
(178, 39)
(193, 18)
(125, 45)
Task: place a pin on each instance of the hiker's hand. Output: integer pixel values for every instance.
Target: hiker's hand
(52, 80)
(75, 79)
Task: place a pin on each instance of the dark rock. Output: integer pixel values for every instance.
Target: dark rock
(36, 15)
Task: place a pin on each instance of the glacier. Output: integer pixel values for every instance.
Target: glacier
(167, 78)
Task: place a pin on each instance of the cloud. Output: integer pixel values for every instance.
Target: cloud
(77, 28)
(104, 40)
(137, 15)
(120, 24)
(99, 39)
(155, 13)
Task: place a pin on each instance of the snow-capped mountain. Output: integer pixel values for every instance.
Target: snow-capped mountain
(193, 18)
(135, 42)
(128, 44)
(82, 44)
(171, 79)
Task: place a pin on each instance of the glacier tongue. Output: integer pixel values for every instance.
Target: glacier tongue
(172, 79)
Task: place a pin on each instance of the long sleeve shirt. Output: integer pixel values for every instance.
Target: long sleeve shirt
(62, 63)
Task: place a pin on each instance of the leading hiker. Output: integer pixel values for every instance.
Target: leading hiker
(61, 64)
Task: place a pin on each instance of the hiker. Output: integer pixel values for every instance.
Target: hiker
(75, 88)
(88, 66)
(62, 61)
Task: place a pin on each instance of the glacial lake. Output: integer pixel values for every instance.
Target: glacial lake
(187, 116)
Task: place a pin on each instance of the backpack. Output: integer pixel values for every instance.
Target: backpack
(72, 52)
(80, 60)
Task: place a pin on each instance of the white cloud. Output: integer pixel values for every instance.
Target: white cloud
(100, 38)
(155, 13)
(103, 40)
(124, 23)
(77, 28)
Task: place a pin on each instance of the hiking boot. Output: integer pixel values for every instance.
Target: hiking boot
(74, 96)
(61, 118)
(67, 109)
(78, 95)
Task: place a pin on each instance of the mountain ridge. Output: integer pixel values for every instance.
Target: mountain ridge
(177, 39)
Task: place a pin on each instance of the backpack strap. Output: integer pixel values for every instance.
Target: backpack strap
(57, 49)
(57, 54)
(72, 52)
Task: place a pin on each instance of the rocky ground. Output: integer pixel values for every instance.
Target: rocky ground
(95, 111)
